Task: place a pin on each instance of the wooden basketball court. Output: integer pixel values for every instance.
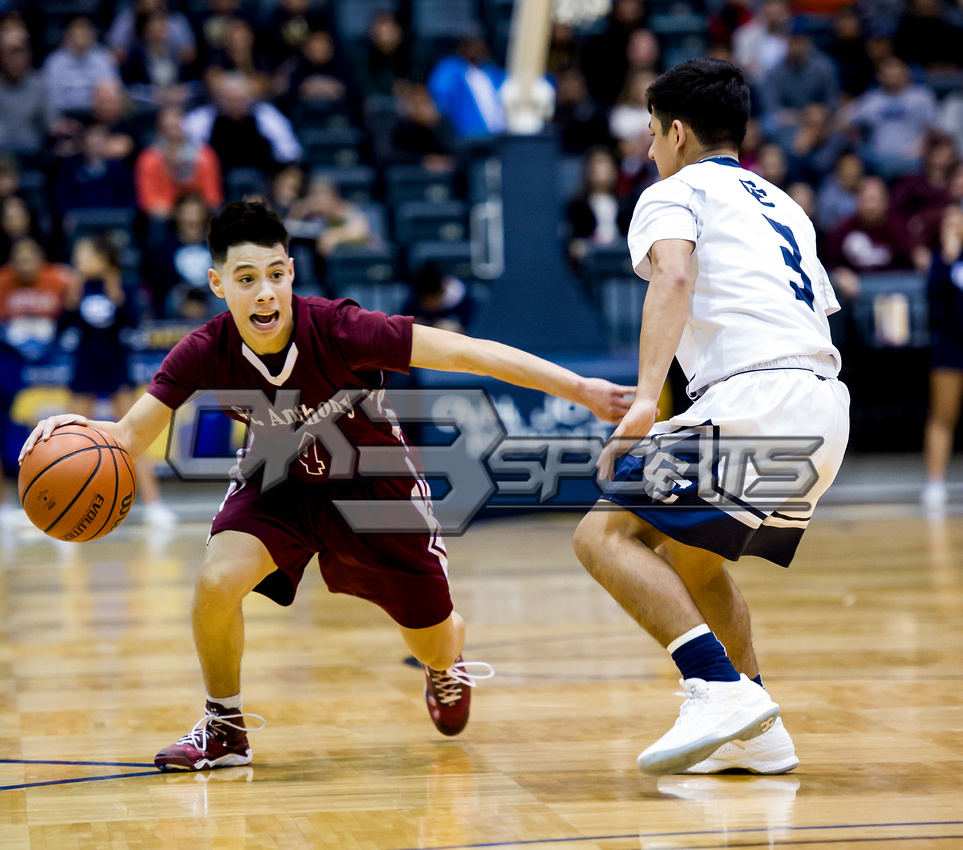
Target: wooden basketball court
(861, 642)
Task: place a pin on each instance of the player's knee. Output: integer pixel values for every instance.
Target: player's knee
(588, 541)
(218, 585)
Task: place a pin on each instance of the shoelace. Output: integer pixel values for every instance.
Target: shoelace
(449, 683)
(694, 698)
(199, 735)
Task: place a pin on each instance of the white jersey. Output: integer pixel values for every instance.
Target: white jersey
(761, 294)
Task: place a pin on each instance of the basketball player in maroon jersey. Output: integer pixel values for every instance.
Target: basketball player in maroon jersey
(271, 340)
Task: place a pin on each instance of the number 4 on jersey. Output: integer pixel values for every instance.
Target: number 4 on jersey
(793, 259)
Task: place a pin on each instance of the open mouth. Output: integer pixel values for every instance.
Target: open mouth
(265, 320)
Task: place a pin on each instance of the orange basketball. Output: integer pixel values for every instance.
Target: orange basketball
(78, 485)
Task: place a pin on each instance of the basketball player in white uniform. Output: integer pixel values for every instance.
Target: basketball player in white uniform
(739, 296)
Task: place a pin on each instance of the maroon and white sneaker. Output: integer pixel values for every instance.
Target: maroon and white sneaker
(218, 739)
(448, 694)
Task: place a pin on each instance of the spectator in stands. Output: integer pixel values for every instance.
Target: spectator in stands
(928, 38)
(124, 31)
(100, 313)
(582, 123)
(848, 51)
(758, 46)
(9, 176)
(176, 263)
(773, 165)
(290, 22)
(316, 75)
(466, 89)
(335, 220)
(564, 52)
(239, 53)
(605, 58)
(636, 171)
(926, 225)
(945, 290)
(154, 72)
(32, 288)
(32, 293)
(92, 178)
(286, 188)
(439, 300)
(26, 108)
(919, 199)
(172, 167)
(836, 197)
(386, 60)
(210, 26)
(72, 71)
(642, 53)
(421, 135)
(804, 195)
(951, 117)
(751, 145)
(630, 116)
(597, 216)
(16, 223)
(816, 146)
(872, 240)
(804, 76)
(896, 117)
(725, 19)
(110, 108)
(244, 132)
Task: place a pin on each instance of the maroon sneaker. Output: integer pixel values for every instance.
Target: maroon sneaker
(218, 739)
(448, 694)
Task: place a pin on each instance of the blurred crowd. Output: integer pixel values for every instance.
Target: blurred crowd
(140, 118)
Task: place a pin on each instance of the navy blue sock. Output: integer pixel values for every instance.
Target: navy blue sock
(758, 680)
(705, 658)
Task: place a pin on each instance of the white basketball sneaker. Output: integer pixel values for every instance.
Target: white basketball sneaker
(771, 753)
(712, 714)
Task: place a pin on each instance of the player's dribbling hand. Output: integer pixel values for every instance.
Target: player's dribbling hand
(606, 400)
(45, 427)
(634, 426)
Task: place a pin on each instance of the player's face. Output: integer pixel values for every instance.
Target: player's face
(664, 149)
(256, 283)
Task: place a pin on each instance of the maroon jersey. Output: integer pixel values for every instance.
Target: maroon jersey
(336, 350)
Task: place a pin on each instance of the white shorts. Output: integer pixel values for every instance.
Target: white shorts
(740, 472)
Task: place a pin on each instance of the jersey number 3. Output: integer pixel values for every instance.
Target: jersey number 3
(793, 259)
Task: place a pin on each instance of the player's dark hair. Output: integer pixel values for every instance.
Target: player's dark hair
(245, 221)
(710, 95)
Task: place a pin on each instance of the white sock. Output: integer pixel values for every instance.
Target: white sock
(681, 640)
(233, 702)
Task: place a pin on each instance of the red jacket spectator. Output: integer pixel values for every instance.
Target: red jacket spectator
(30, 287)
(173, 167)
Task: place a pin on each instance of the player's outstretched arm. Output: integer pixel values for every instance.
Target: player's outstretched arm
(141, 425)
(664, 314)
(433, 348)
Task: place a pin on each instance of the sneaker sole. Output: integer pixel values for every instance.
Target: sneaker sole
(682, 758)
(232, 760)
(763, 768)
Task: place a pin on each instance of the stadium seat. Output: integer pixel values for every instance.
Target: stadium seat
(451, 257)
(241, 182)
(349, 265)
(323, 114)
(356, 183)
(419, 221)
(332, 146)
(353, 16)
(88, 221)
(387, 297)
(443, 20)
(601, 263)
(620, 302)
(415, 183)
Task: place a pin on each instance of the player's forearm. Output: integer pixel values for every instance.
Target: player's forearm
(663, 320)
(487, 357)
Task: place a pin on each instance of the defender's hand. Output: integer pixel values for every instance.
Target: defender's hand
(636, 425)
(45, 427)
(606, 400)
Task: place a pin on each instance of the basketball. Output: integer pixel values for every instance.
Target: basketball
(78, 485)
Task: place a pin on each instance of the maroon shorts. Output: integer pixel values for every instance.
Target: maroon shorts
(405, 574)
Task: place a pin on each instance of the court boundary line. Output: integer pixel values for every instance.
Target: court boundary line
(79, 763)
(531, 842)
(22, 785)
